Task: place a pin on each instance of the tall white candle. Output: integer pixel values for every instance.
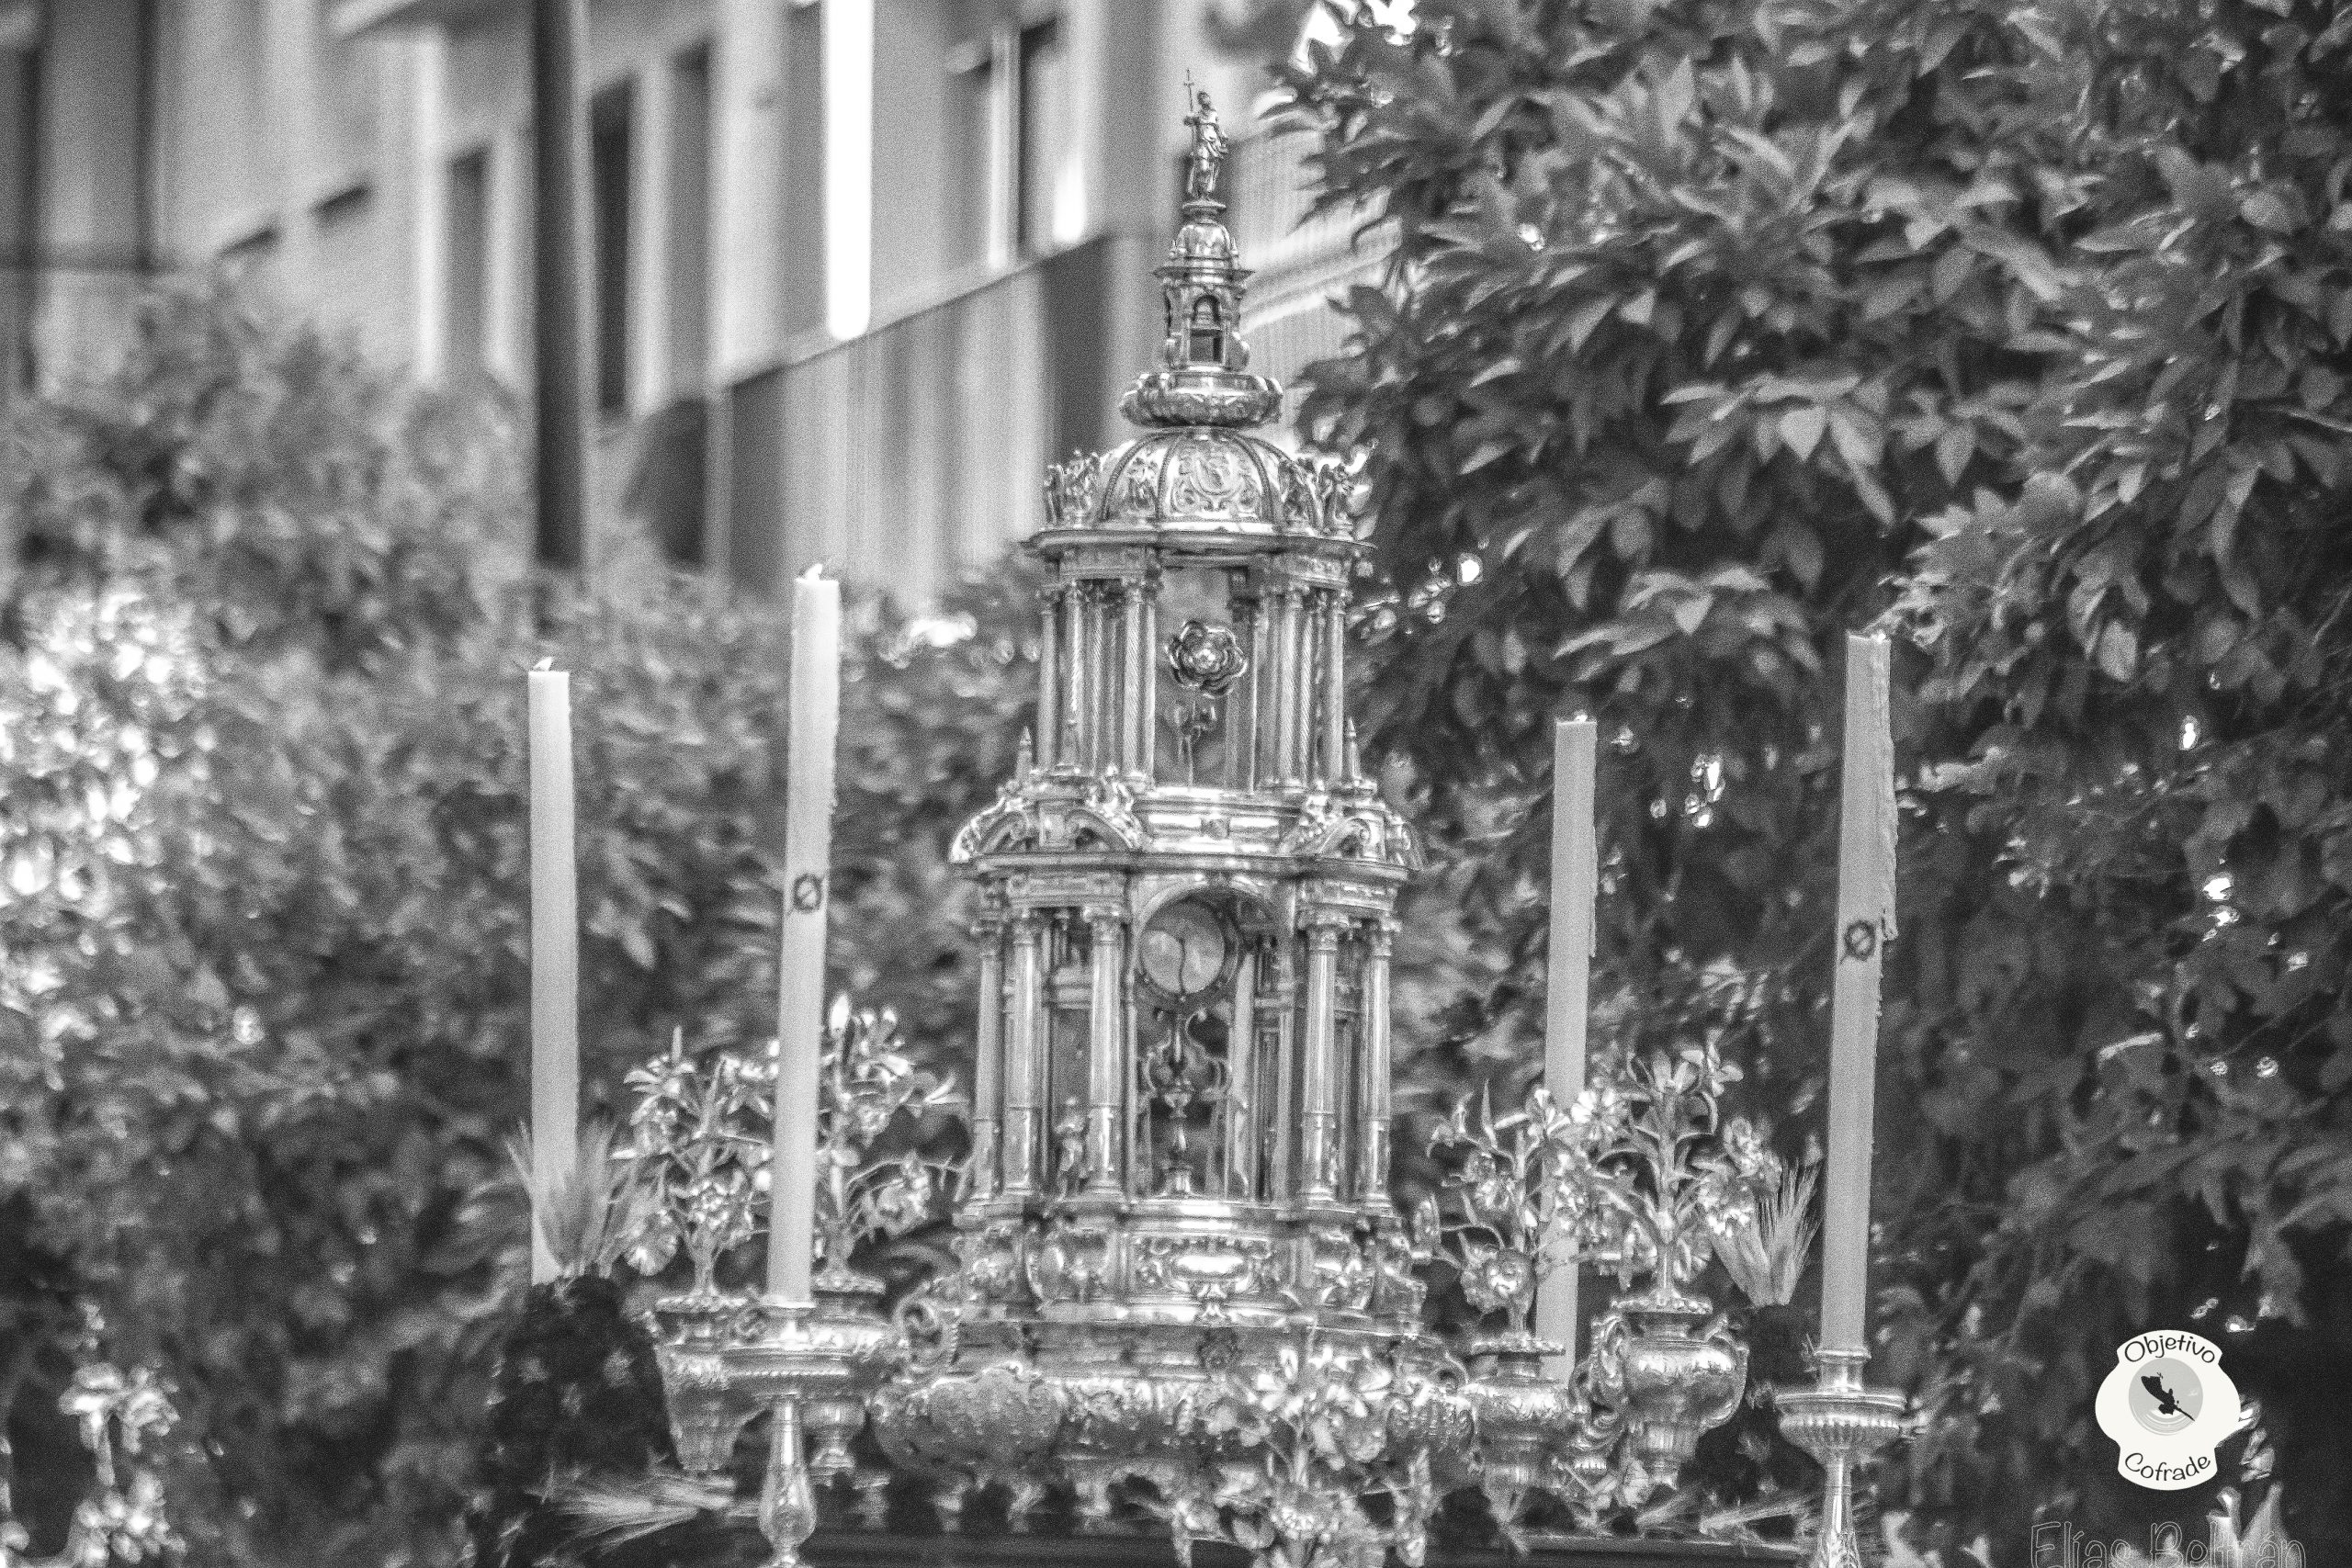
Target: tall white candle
(1569, 989)
(801, 978)
(555, 946)
(1865, 925)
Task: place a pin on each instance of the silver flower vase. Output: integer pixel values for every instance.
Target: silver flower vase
(1520, 1414)
(1670, 1384)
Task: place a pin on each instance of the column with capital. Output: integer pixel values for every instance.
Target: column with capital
(1073, 751)
(1283, 1180)
(1335, 688)
(1371, 1156)
(1318, 1119)
(1241, 1109)
(1302, 686)
(988, 1053)
(1105, 1046)
(1135, 678)
(1242, 723)
(1024, 1009)
(1049, 690)
(1147, 678)
(1273, 699)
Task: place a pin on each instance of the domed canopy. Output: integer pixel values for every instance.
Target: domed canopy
(1196, 470)
(1204, 478)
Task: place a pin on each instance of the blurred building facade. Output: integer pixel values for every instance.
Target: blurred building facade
(860, 268)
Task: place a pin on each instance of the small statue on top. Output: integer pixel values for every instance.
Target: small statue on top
(1208, 145)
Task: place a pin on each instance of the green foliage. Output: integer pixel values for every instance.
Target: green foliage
(307, 502)
(1721, 327)
(263, 1003)
(591, 1215)
(576, 1398)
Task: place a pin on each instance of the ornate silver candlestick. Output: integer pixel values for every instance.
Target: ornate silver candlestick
(1839, 1423)
(814, 1367)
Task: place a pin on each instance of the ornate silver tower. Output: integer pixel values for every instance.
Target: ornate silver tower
(1178, 1262)
(1181, 1094)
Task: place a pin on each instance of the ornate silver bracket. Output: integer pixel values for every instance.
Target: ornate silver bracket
(727, 1358)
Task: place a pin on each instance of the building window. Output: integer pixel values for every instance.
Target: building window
(688, 240)
(466, 279)
(610, 136)
(1016, 194)
(804, 170)
(1042, 143)
(974, 96)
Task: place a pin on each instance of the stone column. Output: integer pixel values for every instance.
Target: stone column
(1135, 678)
(1371, 1162)
(988, 1057)
(1241, 750)
(1318, 1119)
(1335, 688)
(1105, 1055)
(1072, 749)
(1286, 683)
(1242, 1080)
(1283, 1180)
(1104, 644)
(1049, 691)
(1146, 679)
(1295, 768)
(1025, 1007)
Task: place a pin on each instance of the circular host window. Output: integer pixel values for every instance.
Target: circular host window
(1186, 947)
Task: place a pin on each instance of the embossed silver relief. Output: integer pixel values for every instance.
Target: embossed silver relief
(1073, 488)
(1212, 1271)
(1211, 478)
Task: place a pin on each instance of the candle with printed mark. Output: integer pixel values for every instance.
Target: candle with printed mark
(1568, 991)
(554, 945)
(815, 721)
(1865, 925)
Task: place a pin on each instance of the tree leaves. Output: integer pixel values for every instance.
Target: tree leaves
(2022, 323)
(264, 951)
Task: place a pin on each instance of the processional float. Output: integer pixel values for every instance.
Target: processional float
(1181, 1282)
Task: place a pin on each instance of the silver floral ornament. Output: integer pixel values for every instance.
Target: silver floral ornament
(1206, 657)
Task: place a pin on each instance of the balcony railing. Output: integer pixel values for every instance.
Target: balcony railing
(915, 451)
